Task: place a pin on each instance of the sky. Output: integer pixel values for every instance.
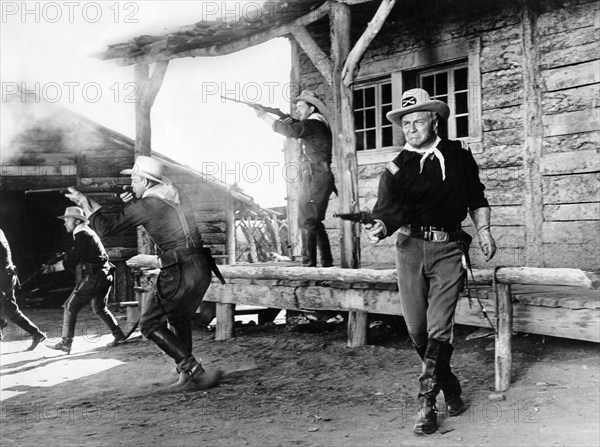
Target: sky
(51, 48)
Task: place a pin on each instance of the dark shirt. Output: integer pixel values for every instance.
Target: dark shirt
(87, 249)
(407, 197)
(160, 220)
(315, 135)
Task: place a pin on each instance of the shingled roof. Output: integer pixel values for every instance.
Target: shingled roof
(224, 34)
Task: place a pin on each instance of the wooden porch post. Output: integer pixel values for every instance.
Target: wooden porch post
(146, 91)
(230, 231)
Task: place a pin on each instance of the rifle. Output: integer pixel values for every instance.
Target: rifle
(86, 189)
(363, 217)
(257, 106)
(57, 257)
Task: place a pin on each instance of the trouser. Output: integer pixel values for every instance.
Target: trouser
(430, 278)
(316, 187)
(176, 295)
(10, 309)
(95, 289)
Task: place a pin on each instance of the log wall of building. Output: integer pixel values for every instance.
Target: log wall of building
(538, 68)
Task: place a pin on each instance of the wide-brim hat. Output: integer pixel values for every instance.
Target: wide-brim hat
(147, 167)
(418, 100)
(311, 97)
(74, 212)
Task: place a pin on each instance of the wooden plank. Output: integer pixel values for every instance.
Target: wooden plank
(584, 256)
(570, 212)
(577, 188)
(570, 163)
(38, 170)
(572, 76)
(571, 122)
(504, 321)
(572, 143)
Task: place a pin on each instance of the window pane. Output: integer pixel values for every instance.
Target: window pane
(358, 120)
(387, 136)
(460, 79)
(462, 105)
(370, 97)
(358, 99)
(384, 111)
(386, 93)
(360, 144)
(371, 139)
(427, 83)
(369, 118)
(441, 84)
(462, 126)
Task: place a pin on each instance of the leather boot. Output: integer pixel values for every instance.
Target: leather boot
(309, 248)
(183, 331)
(324, 248)
(429, 388)
(63, 345)
(449, 382)
(36, 340)
(192, 377)
(119, 337)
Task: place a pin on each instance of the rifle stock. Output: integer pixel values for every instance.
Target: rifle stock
(255, 105)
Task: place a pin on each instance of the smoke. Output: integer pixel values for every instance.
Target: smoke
(31, 129)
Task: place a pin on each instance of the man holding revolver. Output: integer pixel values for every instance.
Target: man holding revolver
(424, 194)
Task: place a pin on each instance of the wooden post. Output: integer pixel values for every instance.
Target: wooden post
(344, 149)
(145, 94)
(230, 231)
(225, 321)
(504, 319)
(292, 167)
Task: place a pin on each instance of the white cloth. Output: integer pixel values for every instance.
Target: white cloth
(425, 153)
(163, 191)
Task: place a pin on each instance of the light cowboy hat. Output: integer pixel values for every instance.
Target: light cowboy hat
(418, 100)
(75, 212)
(311, 97)
(147, 167)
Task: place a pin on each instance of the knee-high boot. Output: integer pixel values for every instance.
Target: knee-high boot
(324, 248)
(309, 248)
(68, 331)
(192, 377)
(183, 331)
(28, 326)
(429, 388)
(449, 382)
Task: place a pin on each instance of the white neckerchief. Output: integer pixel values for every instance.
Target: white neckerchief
(318, 117)
(81, 227)
(163, 191)
(427, 152)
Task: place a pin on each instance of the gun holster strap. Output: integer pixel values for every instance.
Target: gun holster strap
(171, 257)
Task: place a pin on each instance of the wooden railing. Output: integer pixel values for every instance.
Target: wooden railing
(281, 287)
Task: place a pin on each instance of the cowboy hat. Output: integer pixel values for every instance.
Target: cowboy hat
(311, 97)
(147, 167)
(75, 212)
(417, 100)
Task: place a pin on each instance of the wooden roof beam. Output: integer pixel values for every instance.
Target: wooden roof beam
(352, 65)
(317, 56)
(236, 45)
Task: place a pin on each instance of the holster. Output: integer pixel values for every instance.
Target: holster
(171, 258)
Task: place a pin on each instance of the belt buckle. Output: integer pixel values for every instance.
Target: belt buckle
(439, 236)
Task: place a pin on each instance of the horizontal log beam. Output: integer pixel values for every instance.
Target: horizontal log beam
(504, 275)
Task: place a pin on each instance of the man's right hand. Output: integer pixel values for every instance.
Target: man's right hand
(375, 232)
(127, 197)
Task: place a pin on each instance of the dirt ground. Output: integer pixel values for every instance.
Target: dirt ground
(288, 386)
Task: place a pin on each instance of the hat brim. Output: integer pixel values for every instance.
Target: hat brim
(316, 102)
(74, 216)
(439, 107)
(141, 174)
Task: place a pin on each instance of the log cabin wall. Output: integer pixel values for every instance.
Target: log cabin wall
(533, 115)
